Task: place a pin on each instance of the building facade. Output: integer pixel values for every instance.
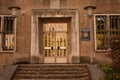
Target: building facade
(57, 31)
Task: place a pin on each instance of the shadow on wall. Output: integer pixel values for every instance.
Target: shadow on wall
(24, 60)
(86, 59)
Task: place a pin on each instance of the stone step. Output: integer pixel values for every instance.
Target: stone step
(51, 76)
(47, 67)
(51, 72)
(87, 78)
(51, 65)
(51, 69)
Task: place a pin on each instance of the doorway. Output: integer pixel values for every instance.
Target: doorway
(39, 18)
(55, 42)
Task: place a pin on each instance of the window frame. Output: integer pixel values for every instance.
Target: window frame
(14, 34)
(107, 26)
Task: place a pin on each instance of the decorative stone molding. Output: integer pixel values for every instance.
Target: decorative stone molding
(56, 13)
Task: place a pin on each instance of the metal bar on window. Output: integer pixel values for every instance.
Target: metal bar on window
(0, 32)
(118, 25)
(117, 18)
(108, 32)
(8, 36)
(4, 32)
(5, 24)
(100, 23)
(104, 32)
(111, 26)
(8, 25)
(0, 25)
(115, 26)
(12, 25)
(101, 32)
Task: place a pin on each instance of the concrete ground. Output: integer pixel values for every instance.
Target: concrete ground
(96, 72)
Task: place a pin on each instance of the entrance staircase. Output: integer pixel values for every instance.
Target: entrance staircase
(51, 72)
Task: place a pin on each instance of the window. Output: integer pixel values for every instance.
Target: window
(107, 26)
(6, 33)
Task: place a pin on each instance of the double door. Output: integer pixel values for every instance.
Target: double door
(55, 43)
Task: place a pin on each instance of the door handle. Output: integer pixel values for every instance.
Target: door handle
(58, 47)
(51, 47)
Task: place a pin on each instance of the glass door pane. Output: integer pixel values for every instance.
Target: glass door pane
(61, 42)
(49, 45)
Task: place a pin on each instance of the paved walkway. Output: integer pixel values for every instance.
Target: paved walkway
(96, 72)
(7, 72)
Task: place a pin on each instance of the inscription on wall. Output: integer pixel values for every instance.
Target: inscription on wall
(55, 12)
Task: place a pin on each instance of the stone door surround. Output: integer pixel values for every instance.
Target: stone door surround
(74, 54)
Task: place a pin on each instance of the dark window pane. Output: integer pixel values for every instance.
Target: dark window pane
(114, 25)
(0, 25)
(107, 27)
(8, 25)
(101, 32)
(8, 36)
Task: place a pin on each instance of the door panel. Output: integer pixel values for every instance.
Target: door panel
(49, 45)
(55, 43)
(49, 49)
(61, 39)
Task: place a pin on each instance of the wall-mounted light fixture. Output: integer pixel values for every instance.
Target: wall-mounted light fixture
(14, 9)
(89, 10)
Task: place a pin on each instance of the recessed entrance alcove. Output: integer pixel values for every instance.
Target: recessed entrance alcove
(55, 36)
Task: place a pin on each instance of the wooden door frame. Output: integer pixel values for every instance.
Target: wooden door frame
(55, 20)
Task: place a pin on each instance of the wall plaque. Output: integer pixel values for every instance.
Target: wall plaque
(85, 32)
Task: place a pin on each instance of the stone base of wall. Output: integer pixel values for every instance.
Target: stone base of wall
(84, 59)
(22, 60)
(75, 59)
(34, 59)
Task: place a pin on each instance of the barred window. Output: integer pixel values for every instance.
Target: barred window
(0, 24)
(106, 27)
(6, 33)
(114, 25)
(0, 33)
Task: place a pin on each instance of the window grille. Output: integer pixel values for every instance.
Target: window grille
(0, 25)
(0, 33)
(107, 27)
(114, 25)
(6, 33)
(101, 32)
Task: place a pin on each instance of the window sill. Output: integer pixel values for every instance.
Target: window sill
(7, 51)
(103, 51)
